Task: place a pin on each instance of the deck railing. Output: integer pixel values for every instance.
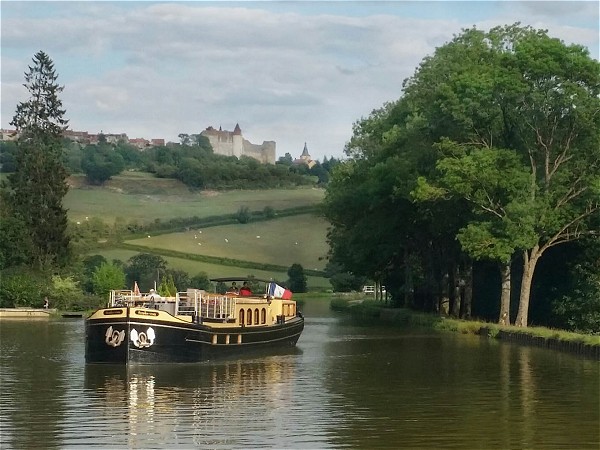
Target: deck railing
(196, 303)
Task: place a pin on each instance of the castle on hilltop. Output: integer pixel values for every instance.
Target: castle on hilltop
(232, 143)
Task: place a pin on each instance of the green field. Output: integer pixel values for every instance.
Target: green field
(295, 239)
(136, 196)
(142, 197)
(215, 270)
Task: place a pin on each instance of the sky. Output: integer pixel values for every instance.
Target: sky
(293, 72)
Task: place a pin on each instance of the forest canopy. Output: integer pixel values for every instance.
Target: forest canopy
(487, 166)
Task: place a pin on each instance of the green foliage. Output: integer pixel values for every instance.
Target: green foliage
(491, 154)
(171, 285)
(38, 185)
(243, 214)
(145, 268)
(163, 288)
(22, 289)
(8, 152)
(200, 281)
(15, 243)
(342, 281)
(107, 277)
(64, 293)
(101, 162)
(269, 212)
(297, 278)
(580, 309)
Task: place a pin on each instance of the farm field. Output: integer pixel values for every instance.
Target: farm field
(285, 241)
(215, 270)
(142, 197)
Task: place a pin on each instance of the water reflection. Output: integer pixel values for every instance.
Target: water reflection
(32, 389)
(201, 402)
(344, 386)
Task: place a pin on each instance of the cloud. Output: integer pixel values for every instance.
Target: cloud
(284, 72)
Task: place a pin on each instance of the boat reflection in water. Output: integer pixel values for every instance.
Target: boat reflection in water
(200, 404)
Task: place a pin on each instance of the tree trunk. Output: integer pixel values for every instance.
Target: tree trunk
(444, 299)
(504, 318)
(529, 263)
(408, 282)
(456, 294)
(468, 292)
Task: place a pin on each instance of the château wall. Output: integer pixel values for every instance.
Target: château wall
(232, 143)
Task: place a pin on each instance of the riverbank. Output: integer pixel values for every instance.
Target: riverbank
(26, 313)
(580, 344)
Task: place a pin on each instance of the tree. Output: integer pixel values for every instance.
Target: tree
(64, 292)
(297, 278)
(491, 154)
(579, 310)
(146, 269)
(38, 185)
(101, 162)
(286, 160)
(243, 215)
(525, 106)
(107, 277)
(167, 286)
(200, 281)
(493, 180)
(15, 245)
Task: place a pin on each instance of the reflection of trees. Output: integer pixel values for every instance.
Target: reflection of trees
(428, 391)
(153, 402)
(32, 383)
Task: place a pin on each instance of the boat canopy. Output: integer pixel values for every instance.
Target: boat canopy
(228, 279)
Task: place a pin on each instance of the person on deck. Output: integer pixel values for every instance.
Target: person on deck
(245, 290)
(233, 289)
(152, 297)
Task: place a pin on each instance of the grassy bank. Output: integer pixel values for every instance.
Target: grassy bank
(142, 197)
(370, 310)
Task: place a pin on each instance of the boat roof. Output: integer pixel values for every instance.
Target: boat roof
(228, 279)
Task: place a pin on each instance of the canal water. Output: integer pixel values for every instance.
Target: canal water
(343, 386)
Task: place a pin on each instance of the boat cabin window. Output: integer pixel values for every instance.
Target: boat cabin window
(256, 316)
(242, 316)
(249, 317)
(263, 316)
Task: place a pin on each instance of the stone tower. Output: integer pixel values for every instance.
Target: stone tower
(238, 141)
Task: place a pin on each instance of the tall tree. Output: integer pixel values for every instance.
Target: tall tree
(524, 105)
(38, 185)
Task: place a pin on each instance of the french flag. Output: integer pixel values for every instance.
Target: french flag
(277, 291)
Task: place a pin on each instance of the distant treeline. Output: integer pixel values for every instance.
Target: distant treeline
(193, 163)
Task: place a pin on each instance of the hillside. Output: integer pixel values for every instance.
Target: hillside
(296, 239)
(142, 197)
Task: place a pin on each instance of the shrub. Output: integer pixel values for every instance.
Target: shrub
(22, 290)
(64, 293)
(243, 215)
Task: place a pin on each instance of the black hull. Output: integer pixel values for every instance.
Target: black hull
(134, 340)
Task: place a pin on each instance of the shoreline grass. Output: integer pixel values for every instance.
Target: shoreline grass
(376, 312)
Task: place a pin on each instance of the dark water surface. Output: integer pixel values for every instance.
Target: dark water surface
(342, 387)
